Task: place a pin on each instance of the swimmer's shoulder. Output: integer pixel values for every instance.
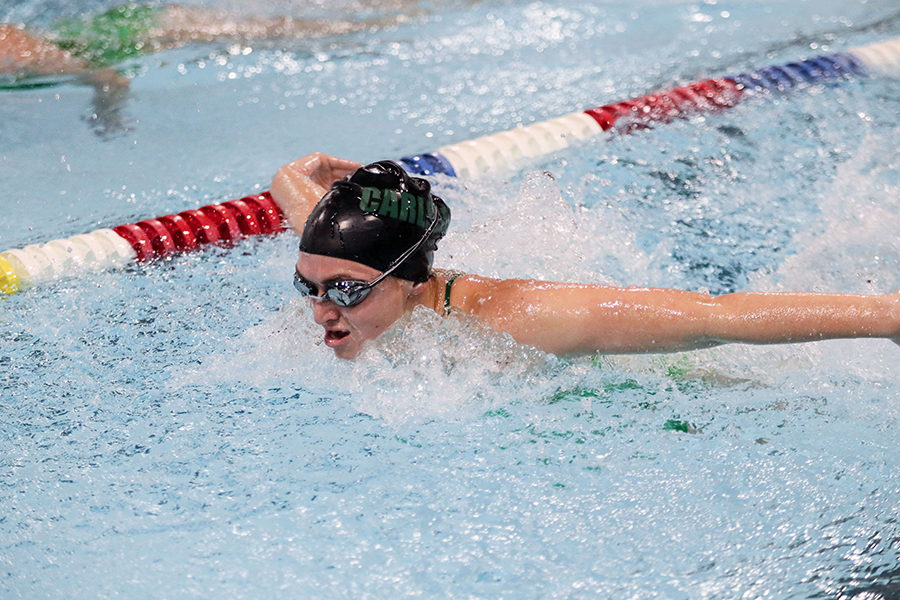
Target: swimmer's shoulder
(465, 292)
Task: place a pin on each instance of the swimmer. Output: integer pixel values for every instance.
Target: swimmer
(367, 241)
(89, 48)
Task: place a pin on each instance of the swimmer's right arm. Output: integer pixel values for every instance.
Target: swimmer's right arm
(581, 319)
(298, 186)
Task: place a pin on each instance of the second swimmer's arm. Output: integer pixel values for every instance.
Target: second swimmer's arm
(578, 319)
(177, 25)
(21, 51)
(24, 53)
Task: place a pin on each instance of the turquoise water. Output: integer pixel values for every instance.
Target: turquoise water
(174, 430)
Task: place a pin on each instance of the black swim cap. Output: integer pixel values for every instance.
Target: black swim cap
(373, 216)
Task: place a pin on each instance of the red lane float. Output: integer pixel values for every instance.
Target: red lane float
(699, 97)
(188, 230)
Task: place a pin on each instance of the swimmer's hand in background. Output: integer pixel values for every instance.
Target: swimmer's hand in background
(298, 186)
(106, 79)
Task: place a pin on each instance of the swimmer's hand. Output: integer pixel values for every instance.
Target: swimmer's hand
(106, 80)
(896, 298)
(298, 186)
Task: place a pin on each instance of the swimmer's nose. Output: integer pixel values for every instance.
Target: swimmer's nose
(323, 312)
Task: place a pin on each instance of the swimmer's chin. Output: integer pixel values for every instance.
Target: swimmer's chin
(348, 351)
(347, 354)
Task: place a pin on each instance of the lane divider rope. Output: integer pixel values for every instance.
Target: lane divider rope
(259, 215)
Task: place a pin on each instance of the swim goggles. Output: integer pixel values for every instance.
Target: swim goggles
(350, 292)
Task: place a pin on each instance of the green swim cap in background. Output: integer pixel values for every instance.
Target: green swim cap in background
(108, 38)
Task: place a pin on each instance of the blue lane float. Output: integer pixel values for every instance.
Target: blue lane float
(475, 158)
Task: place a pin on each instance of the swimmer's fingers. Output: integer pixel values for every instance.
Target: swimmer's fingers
(317, 169)
(328, 169)
(896, 316)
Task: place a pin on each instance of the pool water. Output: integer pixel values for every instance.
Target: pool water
(176, 430)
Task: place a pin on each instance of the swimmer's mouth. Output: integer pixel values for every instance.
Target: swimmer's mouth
(334, 336)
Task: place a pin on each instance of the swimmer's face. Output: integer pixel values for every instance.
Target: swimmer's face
(348, 328)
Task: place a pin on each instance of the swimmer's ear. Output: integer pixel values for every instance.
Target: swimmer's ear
(417, 289)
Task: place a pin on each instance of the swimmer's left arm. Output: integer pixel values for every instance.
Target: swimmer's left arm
(24, 53)
(20, 51)
(299, 185)
(580, 319)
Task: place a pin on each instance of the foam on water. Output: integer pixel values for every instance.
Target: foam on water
(426, 366)
(859, 249)
(533, 231)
